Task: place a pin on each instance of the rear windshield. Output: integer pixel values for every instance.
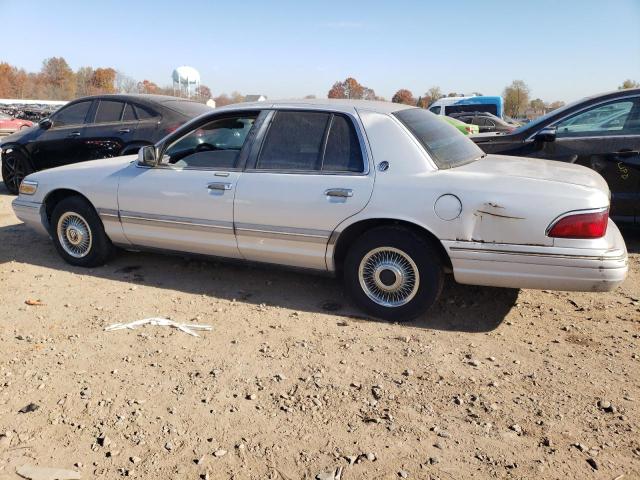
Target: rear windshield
(187, 108)
(445, 143)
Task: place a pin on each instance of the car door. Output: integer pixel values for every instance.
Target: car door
(108, 131)
(60, 144)
(606, 138)
(186, 202)
(308, 173)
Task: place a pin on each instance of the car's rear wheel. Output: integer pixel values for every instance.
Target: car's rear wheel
(15, 167)
(393, 273)
(78, 233)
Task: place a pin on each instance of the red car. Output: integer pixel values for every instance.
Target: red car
(8, 124)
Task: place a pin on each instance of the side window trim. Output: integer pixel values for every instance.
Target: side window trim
(264, 130)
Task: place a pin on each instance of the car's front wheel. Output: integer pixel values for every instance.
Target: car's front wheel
(14, 168)
(78, 233)
(393, 273)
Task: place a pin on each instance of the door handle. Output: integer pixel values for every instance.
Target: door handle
(219, 186)
(74, 134)
(627, 153)
(124, 130)
(339, 192)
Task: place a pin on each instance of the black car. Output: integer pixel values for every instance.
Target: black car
(601, 132)
(486, 122)
(90, 128)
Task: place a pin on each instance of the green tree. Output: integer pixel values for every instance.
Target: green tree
(516, 98)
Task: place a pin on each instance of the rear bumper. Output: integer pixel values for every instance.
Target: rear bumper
(31, 213)
(553, 268)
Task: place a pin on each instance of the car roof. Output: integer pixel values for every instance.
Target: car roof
(140, 97)
(340, 105)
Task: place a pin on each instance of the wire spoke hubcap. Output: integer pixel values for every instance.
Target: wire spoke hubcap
(74, 234)
(389, 276)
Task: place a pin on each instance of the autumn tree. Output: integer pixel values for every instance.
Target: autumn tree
(403, 96)
(516, 98)
(104, 80)
(628, 83)
(59, 79)
(7, 81)
(538, 105)
(147, 86)
(84, 77)
(222, 100)
(555, 105)
(350, 88)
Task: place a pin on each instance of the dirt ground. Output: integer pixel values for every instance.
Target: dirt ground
(292, 383)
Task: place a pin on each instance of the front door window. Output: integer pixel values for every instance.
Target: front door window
(215, 145)
(609, 119)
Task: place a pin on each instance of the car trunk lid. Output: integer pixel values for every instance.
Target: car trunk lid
(547, 170)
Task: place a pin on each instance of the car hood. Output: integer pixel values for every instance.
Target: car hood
(546, 170)
(92, 167)
(96, 179)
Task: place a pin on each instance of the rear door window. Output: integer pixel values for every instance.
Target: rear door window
(109, 111)
(311, 141)
(72, 115)
(294, 141)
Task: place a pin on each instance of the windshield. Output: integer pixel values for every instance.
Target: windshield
(446, 145)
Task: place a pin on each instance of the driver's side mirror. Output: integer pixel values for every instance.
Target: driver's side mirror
(547, 134)
(148, 156)
(45, 123)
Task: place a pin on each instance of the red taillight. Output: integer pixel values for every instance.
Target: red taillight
(468, 129)
(581, 225)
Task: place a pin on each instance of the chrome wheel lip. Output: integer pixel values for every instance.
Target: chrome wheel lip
(74, 234)
(407, 277)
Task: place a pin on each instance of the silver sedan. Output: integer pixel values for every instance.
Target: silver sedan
(385, 195)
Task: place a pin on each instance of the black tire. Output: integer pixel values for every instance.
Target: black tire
(15, 167)
(405, 252)
(98, 248)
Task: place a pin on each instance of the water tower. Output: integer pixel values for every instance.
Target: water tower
(186, 81)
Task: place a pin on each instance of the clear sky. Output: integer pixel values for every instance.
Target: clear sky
(563, 49)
